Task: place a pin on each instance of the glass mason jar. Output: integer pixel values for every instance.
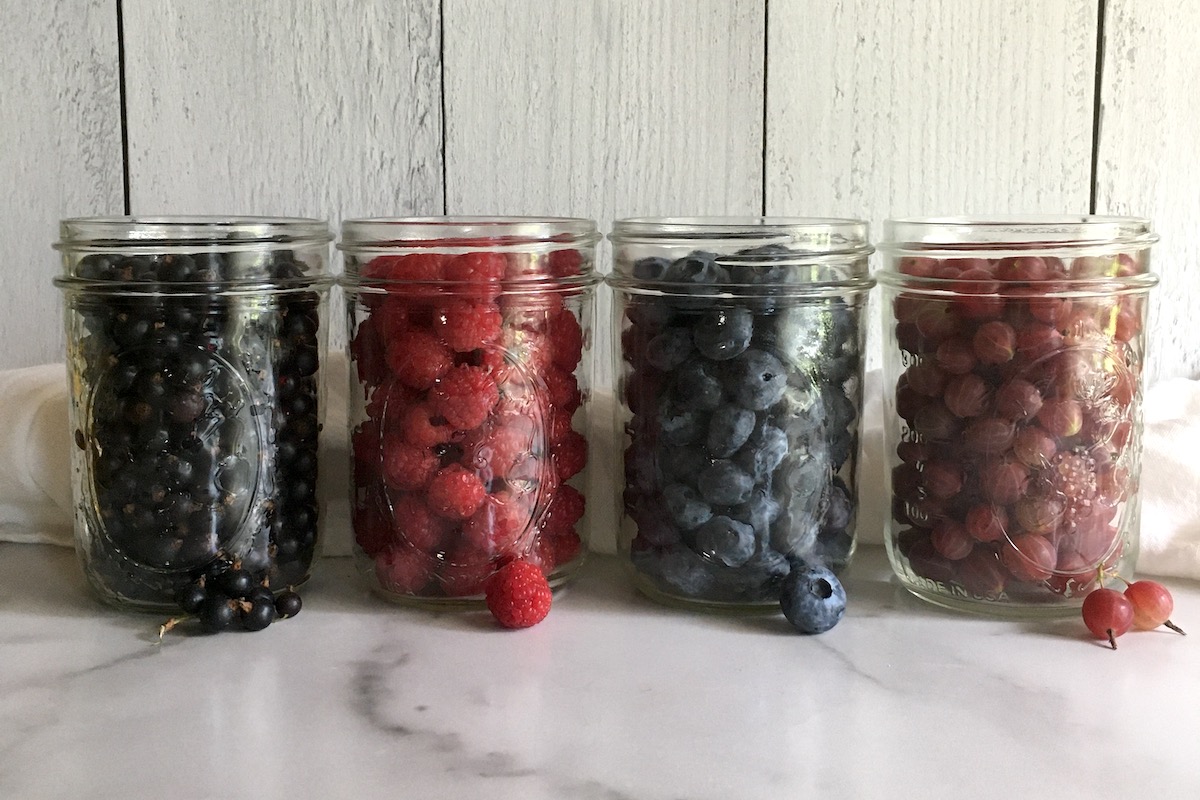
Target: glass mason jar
(193, 353)
(740, 390)
(470, 369)
(1013, 383)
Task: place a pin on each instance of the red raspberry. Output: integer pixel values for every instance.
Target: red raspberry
(417, 525)
(566, 337)
(559, 426)
(394, 317)
(369, 352)
(455, 493)
(405, 466)
(518, 595)
(551, 552)
(464, 396)
(417, 267)
(565, 509)
(372, 531)
(420, 426)
(570, 455)
(476, 267)
(499, 446)
(465, 573)
(465, 326)
(564, 263)
(418, 359)
(365, 443)
(498, 525)
(563, 390)
(402, 570)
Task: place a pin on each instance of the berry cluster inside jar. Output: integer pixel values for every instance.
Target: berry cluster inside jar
(1016, 458)
(742, 396)
(200, 420)
(467, 365)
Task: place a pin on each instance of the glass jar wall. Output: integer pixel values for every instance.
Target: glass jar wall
(740, 383)
(470, 346)
(193, 350)
(1013, 381)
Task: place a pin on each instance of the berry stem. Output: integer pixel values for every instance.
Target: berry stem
(170, 625)
(1112, 639)
(1175, 628)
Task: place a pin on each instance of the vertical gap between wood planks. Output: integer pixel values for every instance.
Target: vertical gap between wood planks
(765, 87)
(123, 105)
(442, 69)
(1096, 97)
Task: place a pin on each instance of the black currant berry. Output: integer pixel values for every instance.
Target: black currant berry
(288, 604)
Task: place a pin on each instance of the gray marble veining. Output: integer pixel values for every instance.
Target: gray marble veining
(611, 698)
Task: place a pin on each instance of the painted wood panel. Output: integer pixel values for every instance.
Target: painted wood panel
(326, 108)
(1149, 160)
(60, 155)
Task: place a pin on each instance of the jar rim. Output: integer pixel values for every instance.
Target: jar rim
(805, 235)
(218, 231)
(465, 231)
(1043, 232)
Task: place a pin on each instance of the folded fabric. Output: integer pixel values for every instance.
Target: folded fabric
(35, 491)
(35, 455)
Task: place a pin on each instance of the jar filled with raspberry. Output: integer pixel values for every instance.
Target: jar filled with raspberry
(1013, 359)
(740, 386)
(194, 348)
(470, 370)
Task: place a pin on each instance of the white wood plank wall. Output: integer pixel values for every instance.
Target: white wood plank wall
(597, 108)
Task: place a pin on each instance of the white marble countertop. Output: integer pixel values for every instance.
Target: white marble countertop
(610, 698)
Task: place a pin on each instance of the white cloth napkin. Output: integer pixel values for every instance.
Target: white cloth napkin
(35, 490)
(35, 455)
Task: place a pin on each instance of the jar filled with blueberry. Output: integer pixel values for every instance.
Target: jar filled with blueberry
(740, 389)
(193, 351)
(1013, 372)
(470, 372)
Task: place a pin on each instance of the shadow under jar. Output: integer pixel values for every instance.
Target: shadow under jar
(193, 352)
(740, 391)
(470, 358)
(1013, 360)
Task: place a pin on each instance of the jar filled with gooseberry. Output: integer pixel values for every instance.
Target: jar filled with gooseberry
(470, 344)
(194, 347)
(739, 347)
(1013, 376)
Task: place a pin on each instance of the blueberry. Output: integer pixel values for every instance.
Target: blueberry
(838, 507)
(756, 380)
(686, 507)
(683, 570)
(652, 268)
(679, 427)
(683, 464)
(728, 429)
(758, 512)
(726, 540)
(669, 349)
(723, 333)
(695, 386)
(812, 599)
(698, 269)
(725, 484)
(763, 453)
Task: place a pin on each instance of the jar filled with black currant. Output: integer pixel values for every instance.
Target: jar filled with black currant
(740, 383)
(1013, 359)
(470, 344)
(194, 348)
